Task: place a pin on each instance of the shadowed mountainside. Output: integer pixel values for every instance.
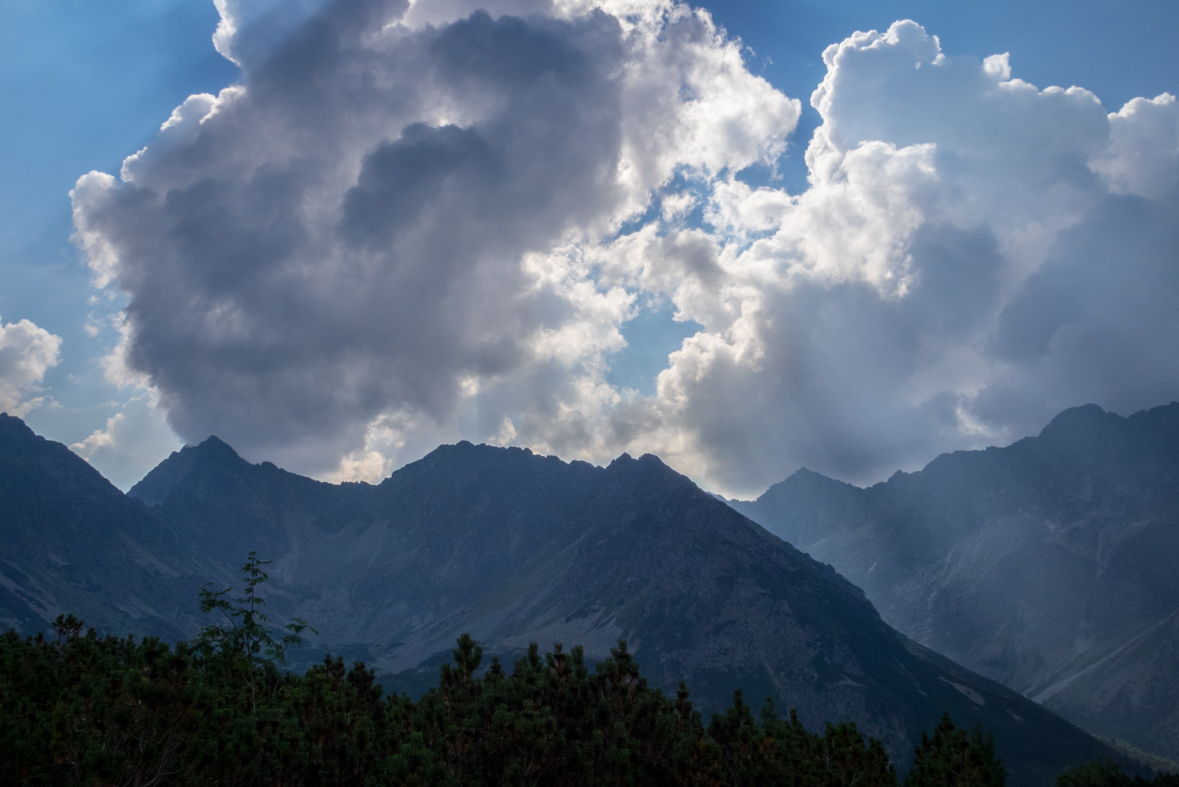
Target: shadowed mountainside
(70, 540)
(1048, 565)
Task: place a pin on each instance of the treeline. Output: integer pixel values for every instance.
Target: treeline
(82, 709)
(109, 711)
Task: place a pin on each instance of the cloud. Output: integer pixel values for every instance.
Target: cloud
(134, 440)
(250, 29)
(973, 254)
(1098, 321)
(26, 353)
(1143, 156)
(411, 223)
(379, 239)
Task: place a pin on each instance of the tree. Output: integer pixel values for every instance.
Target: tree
(1101, 773)
(956, 758)
(245, 640)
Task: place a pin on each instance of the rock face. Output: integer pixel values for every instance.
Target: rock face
(1049, 565)
(513, 547)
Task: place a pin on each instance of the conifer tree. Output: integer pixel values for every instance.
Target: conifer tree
(956, 758)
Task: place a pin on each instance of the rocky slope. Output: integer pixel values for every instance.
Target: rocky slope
(1048, 565)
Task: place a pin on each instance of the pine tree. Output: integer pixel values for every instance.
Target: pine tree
(956, 758)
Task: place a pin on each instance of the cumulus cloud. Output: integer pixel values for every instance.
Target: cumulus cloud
(973, 254)
(1097, 322)
(26, 353)
(133, 441)
(1143, 156)
(378, 239)
(413, 222)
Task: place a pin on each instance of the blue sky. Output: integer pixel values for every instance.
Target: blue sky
(85, 85)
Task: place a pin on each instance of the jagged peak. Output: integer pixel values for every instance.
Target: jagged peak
(1163, 411)
(14, 424)
(17, 436)
(1087, 416)
(213, 445)
(1091, 418)
(154, 487)
(802, 478)
(465, 453)
(808, 476)
(649, 466)
(465, 448)
(625, 461)
(650, 460)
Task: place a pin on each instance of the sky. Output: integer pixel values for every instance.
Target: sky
(745, 236)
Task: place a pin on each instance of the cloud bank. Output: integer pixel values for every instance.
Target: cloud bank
(413, 223)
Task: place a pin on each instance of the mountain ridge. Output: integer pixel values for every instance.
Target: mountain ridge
(512, 547)
(1038, 564)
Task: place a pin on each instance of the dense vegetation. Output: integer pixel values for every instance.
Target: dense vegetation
(81, 709)
(1108, 774)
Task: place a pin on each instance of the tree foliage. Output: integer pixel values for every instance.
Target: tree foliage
(1108, 774)
(244, 642)
(79, 709)
(955, 757)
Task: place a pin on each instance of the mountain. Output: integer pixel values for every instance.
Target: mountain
(1048, 565)
(513, 547)
(71, 541)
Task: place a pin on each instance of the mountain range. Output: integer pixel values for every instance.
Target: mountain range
(1048, 565)
(510, 547)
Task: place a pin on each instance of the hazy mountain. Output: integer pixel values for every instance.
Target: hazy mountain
(1049, 565)
(514, 547)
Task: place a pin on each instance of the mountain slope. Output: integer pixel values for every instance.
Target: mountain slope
(1047, 565)
(513, 547)
(70, 541)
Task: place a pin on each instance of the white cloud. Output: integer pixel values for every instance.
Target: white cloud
(957, 272)
(26, 353)
(134, 440)
(249, 30)
(1143, 156)
(179, 127)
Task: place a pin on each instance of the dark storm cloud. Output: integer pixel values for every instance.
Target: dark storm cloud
(313, 254)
